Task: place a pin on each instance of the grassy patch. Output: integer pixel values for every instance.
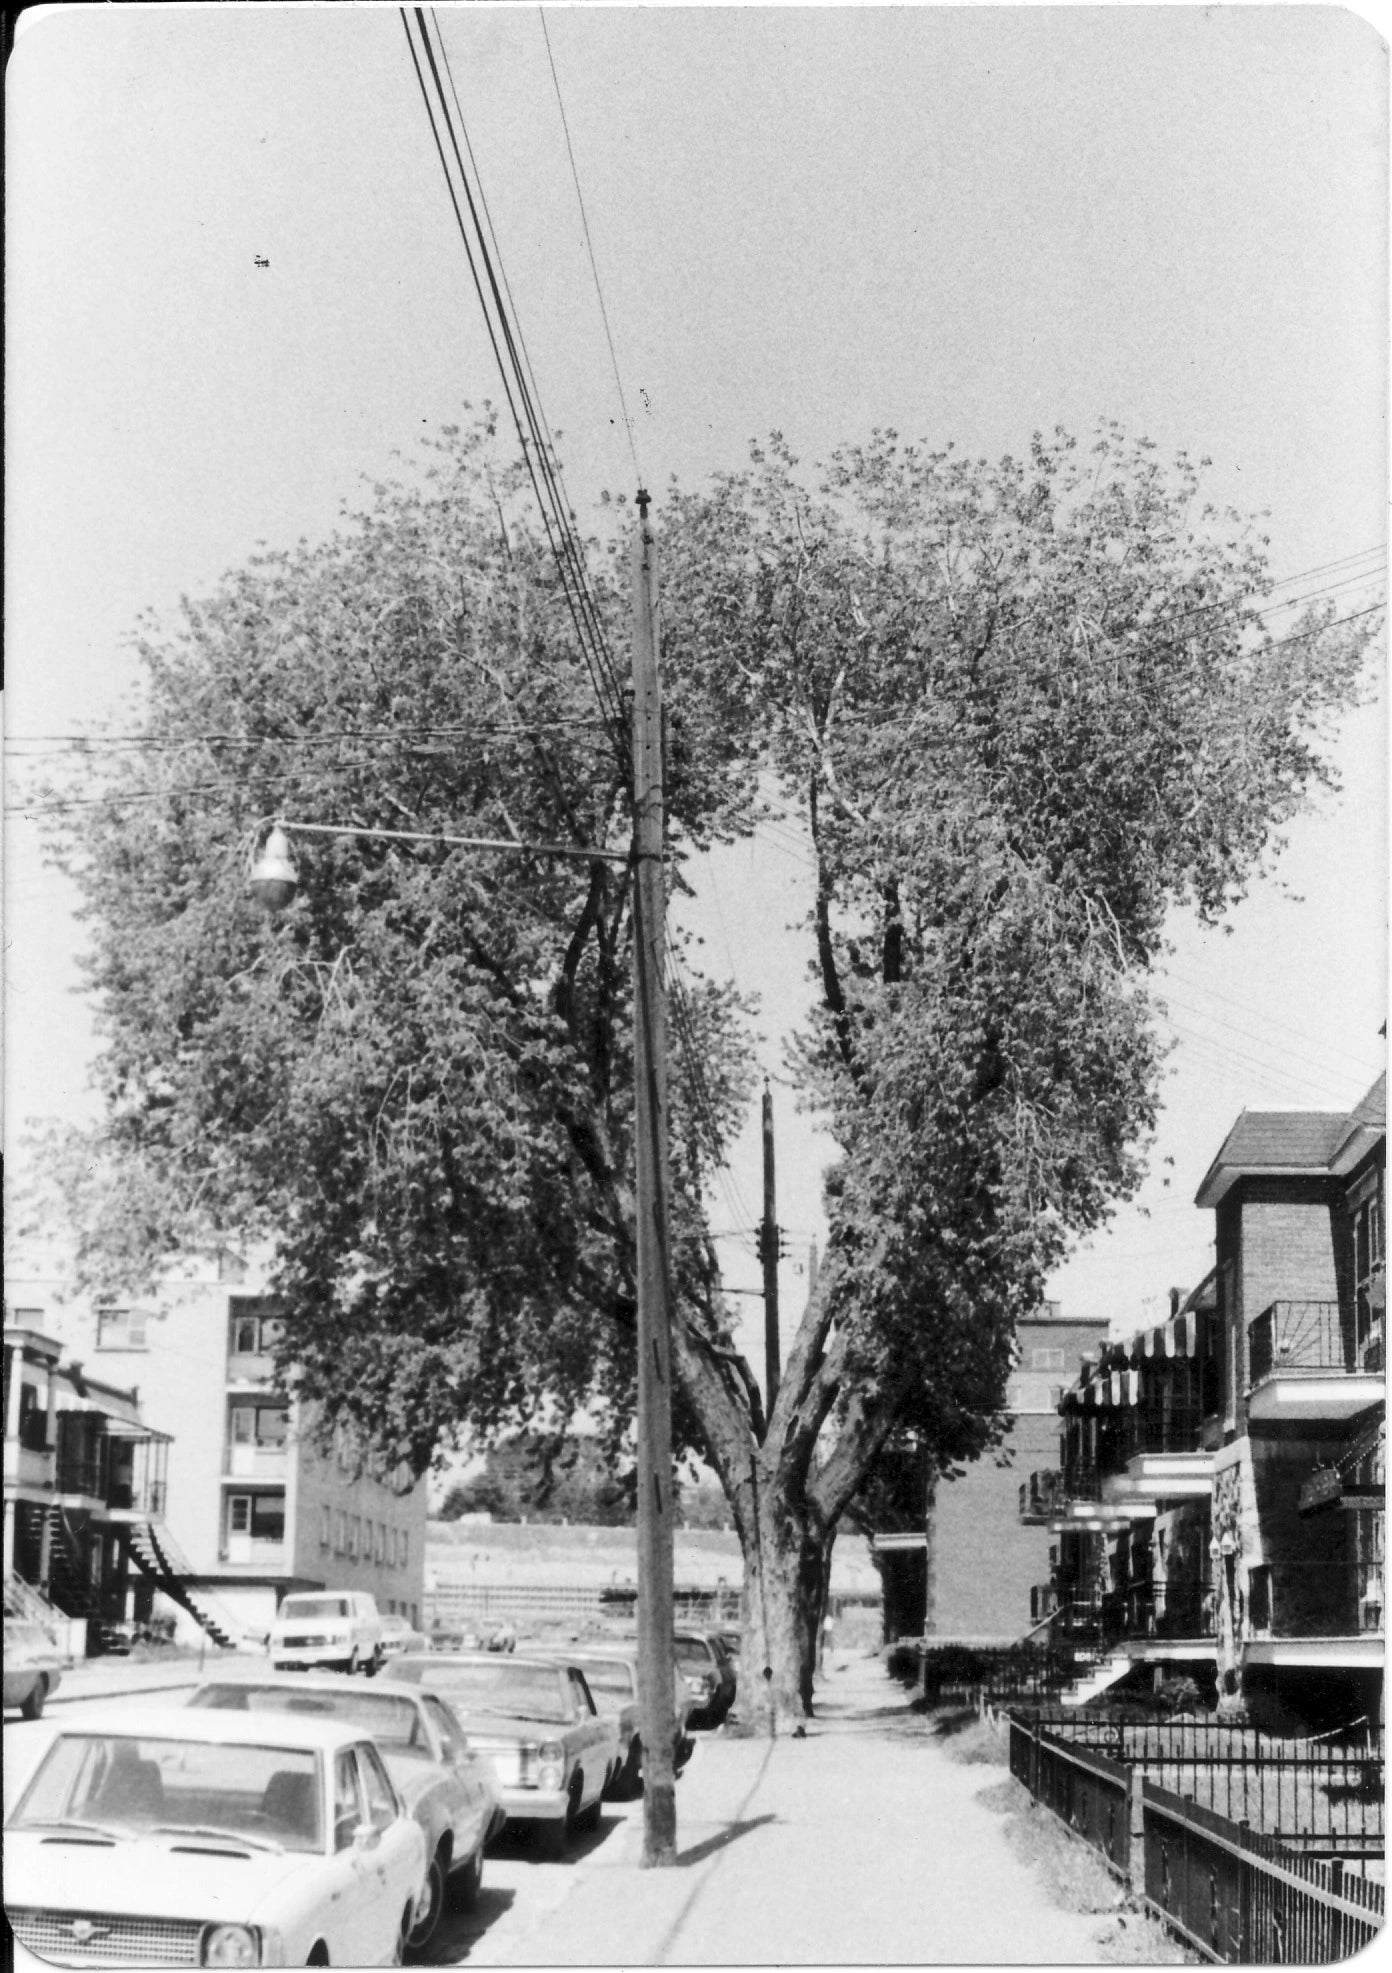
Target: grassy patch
(1077, 1880)
(971, 1739)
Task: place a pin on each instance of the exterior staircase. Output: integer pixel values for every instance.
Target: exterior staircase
(157, 1558)
(32, 1606)
(1099, 1675)
(70, 1588)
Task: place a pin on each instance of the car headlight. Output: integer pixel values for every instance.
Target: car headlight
(231, 1945)
(552, 1771)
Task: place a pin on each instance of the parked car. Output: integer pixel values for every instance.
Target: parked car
(339, 1628)
(552, 1751)
(398, 1635)
(446, 1784)
(612, 1676)
(211, 1839)
(709, 1673)
(33, 1666)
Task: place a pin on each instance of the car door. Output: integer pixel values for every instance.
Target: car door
(396, 1858)
(470, 1801)
(353, 1928)
(591, 1736)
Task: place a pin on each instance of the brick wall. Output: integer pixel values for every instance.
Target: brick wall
(984, 1557)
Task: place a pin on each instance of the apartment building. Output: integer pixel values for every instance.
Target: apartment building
(1220, 1498)
(969, 1570)
(255, 1506)
(84, 1474)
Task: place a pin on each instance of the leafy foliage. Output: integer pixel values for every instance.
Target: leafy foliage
(532, 1477)
(415, 1085)
(1023, 711)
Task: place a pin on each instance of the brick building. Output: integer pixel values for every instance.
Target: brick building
(983, 1560)
(1222, 1505)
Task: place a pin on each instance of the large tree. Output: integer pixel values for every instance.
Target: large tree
(1023, 711)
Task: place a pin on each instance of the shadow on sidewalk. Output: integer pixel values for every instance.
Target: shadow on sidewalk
(700, 1851)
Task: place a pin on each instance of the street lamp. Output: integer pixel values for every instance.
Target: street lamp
(273, 878)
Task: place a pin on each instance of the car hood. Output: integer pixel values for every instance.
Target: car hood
(483, 1728)
(147, 1878)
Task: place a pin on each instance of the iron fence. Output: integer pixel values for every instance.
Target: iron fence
(1321, 1796)
(1240, 1897)
(1086, 1790)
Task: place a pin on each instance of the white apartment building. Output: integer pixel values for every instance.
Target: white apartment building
(252, 1508)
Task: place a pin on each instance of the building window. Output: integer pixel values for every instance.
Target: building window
(264, 1425)
(120, 1329)
(252, 1329)
(1046, 1359)
(325, 1527)
(340, 1531)
(268, 1517)
(379, 1547)
(405, 1548)
(260, 1515)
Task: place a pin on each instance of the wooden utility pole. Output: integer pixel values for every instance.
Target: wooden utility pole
(768, 1250)
(656, 1658)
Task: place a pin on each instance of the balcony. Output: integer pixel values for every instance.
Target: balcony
(1042, 1497)
(256, 1462)
(1170, 1610)
(254, 1370)
(1304, 1365)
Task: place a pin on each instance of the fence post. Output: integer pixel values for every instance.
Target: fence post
(1135, 1835)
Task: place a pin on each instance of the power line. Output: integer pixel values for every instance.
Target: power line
(531, 440)
(589, 247)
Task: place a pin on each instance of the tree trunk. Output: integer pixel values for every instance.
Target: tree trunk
(785, 1573)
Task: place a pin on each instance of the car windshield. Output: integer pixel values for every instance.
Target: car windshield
(295, 1609)
(128, 1785)
(603, 1675)
(528, 1692)
(393, 1722)
(694, 1651)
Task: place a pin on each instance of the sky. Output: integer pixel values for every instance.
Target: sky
(964, 223)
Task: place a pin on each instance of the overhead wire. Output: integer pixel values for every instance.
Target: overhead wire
(531, 440)
(589, 246)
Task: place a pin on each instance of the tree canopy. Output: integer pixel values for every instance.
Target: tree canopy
(1023, 711)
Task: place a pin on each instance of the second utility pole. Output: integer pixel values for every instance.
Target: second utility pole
(656, 1658)
(768, 1249)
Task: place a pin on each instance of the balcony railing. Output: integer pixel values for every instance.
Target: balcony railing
(81, 1474)
(1145, 1431)
(1299, 1339)
(1042, 1495)
(1081, 1481)
(33, 1431)
(1169, 1609)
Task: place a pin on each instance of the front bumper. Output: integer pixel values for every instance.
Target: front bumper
(534, 1804)
(305, 1657)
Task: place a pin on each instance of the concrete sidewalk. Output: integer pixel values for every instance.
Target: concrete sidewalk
(861, 1843)
(112, 1677)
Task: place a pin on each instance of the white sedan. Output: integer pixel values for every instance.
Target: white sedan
(180, 1838)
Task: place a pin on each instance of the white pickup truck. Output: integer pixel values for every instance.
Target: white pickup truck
(336, 1627)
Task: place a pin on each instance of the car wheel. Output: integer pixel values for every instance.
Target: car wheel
(33, 1702)
(403, 1934)
(432, 1904)
(374, 1664)
(353, 1665)
(467, 1882)
(631, 1774)
(318, 1954)
(588, 1819)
